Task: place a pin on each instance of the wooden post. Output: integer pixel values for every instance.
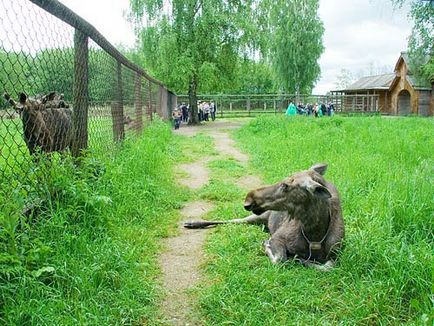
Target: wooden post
(220, 108)
(248, 105)
(80, 93)
(118, 106)
(138, 103)
(274, 106)
(343, 104)
(150, 100)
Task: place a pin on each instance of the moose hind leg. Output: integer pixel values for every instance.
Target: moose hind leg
(275, 250)
(251, 219)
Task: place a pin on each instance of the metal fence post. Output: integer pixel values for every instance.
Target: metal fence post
(138, 103)
(168, 104)
(118, 106)
(165, 103)
(171, 102)
(80, 93)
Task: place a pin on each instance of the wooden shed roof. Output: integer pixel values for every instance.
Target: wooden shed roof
(372, 82)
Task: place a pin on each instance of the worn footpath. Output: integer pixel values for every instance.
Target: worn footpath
(181, 261)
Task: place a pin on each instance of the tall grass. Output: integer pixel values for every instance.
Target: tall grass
(384, 170)
(87, 256)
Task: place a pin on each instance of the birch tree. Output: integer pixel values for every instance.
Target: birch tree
(295, 42)
(192, 42)
(421, 41)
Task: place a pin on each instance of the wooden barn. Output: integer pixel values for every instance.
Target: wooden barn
(398, 93)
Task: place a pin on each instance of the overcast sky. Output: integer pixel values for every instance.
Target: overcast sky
(358, 33)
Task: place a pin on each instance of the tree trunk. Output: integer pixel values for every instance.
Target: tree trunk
(192, 99)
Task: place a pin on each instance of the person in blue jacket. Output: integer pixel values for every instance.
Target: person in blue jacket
(291, 110)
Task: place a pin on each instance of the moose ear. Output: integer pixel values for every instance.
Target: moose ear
(23, 98)
(49, 97)
(317, 189)
(320, 168)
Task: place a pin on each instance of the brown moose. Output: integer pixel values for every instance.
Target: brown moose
(303, 215)
(47, 122)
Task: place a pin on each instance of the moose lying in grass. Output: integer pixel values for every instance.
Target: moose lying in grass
(303, 215)
(47, 122)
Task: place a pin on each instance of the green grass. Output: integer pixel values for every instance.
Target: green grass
(89, 255)
(190, 149)
(384, 170)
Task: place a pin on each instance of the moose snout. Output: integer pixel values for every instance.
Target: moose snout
(249, 203)
(249, 206)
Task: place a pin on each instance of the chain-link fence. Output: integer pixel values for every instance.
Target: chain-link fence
(66, 87)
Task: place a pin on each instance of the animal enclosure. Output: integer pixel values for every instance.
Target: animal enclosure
(45, 47)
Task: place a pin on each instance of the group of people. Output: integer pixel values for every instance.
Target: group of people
(317, 110)
(182, 113)
(205, 109)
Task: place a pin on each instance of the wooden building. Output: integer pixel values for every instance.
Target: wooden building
(398, 93)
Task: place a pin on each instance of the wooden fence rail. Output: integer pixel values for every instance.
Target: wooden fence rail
(249, 105)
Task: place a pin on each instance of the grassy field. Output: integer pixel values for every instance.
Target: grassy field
(384, 169)
(88, 257)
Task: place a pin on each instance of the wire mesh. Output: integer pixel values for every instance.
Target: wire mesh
(67, 89)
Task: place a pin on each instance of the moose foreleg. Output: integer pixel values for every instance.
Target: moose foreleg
(275, 250)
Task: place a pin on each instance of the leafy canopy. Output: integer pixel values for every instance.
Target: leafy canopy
(243, 46)
(421, 41)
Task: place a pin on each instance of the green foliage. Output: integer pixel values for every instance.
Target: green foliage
(294, 32)
(53, 70)
(420, 43)
(86, 255)
(229, 47)
(14, 73)
(253, 78)
(383, 169)
(193, 46)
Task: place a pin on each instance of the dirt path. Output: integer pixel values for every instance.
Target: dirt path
(225, 145)
(198, 174)
(180, 268)
(181, 261)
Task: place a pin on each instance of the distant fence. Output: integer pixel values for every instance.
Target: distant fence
(250, 105)
(46, 47)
